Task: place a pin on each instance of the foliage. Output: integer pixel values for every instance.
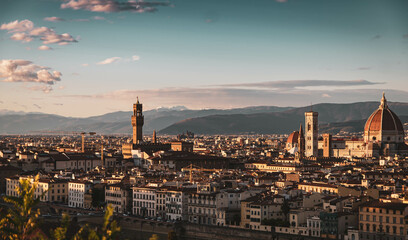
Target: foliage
(285, 208)
(60, 232)
(98, 197)
(171, 235)
(21, 221)
(154, 237)
(109, 231)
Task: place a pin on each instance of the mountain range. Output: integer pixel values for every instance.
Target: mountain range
(333, 118)
(113, 123)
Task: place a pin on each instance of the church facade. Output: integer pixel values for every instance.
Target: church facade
(383, 136)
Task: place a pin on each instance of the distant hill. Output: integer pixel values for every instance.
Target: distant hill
(332, 117)
(264, 119)
(115, 122)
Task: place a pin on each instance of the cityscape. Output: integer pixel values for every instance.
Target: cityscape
(179, 120)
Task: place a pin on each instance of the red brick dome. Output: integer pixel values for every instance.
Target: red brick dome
(293, 137)
(383, 119)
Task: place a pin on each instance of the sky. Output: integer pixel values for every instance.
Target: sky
(89, 57)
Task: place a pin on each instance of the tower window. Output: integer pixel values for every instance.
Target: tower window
(374, 138)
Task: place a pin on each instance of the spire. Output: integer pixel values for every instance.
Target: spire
(301, 130)
(137, 100)
(383, 102)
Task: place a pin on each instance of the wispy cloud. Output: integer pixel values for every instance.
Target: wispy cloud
(37, 106)
(376, 37)
(20, 70)
(292, 84)
(45, 89)
(99, 18)
(24, 31)
(44, 48)
(118, 59)
(114, 6)
(364, 68)
(54, 19)
(109, 60)
(231, 97)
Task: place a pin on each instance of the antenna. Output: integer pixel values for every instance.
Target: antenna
(311, 106)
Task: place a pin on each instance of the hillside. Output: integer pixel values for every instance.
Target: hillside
(346, 117)
(110, 123)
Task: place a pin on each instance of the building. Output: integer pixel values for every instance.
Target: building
(133, 149)
(57, 190)
(176, 204)
(383, 136)
(76, 192)
(119, 196)
(137, 122)
(6, 172)
(144, 201)
(312, 134)
(384, 220)
(318, 188)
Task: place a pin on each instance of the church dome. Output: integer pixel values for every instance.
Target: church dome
(383, 119)
(293, 137)
(382, 123)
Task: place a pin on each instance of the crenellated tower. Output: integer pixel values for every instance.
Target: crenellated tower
(137, 122)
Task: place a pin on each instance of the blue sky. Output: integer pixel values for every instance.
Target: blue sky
(201, 54)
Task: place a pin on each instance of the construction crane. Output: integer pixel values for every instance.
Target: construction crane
(69, 133)
(192, 168)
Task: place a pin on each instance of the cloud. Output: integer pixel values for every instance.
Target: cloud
(113, 6)
(376, 37)
(44, 48)
(17, 26)
(37, 106)
(281, 1)
(85, 65)
(109, 60)
(363, 68)
(21, 36)
(54, 19)
(98, 18)
(25, 71)
(45, 89)
(207, 97)
(81, 20)
(405, 35)
(135, 58)
(292, 84)
(24, 31)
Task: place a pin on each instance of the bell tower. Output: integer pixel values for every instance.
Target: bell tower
(311, 122)
(137, 122)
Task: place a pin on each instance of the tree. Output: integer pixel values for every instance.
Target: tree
(154, 237)
(20, 222)
(60, 232)
(285, 208)
(109, 231)
(171, 235)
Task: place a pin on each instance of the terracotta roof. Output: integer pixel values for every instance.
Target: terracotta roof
(293, 137)
(383, 119)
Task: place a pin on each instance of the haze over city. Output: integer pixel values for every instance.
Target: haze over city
(84, 58)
